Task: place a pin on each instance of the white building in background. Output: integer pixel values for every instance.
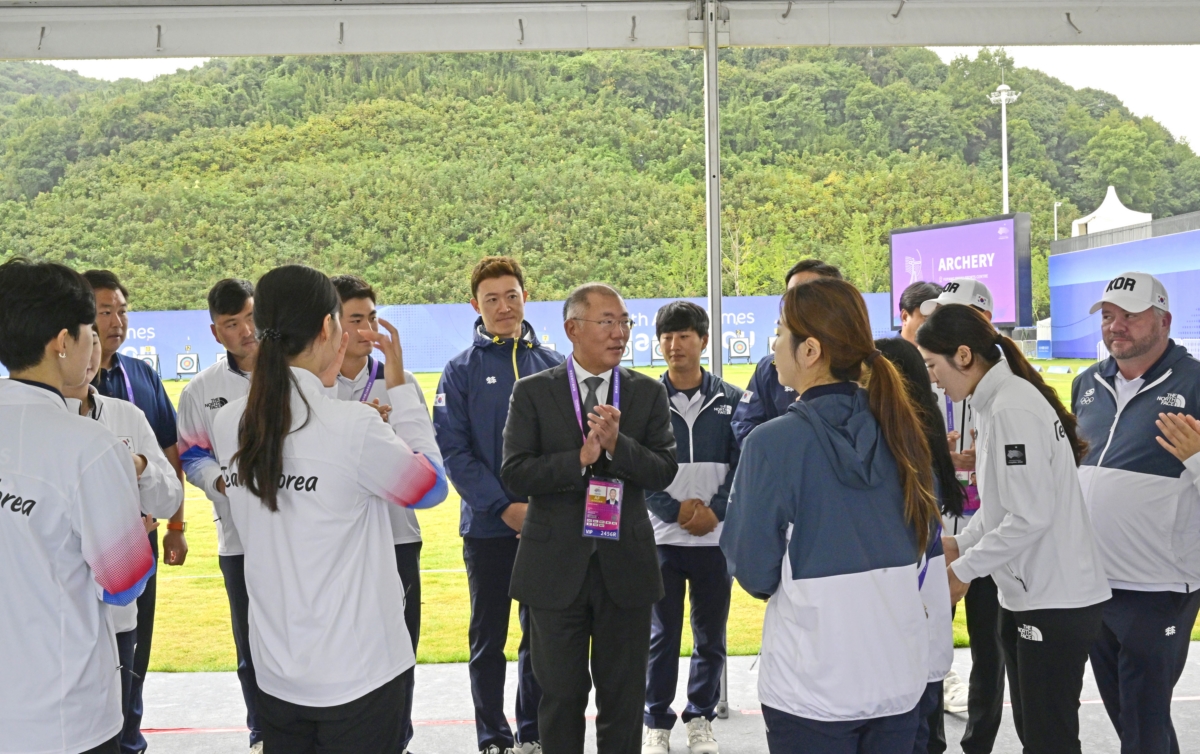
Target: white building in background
(1109, 215)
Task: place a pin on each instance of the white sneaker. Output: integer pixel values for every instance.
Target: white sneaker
(656, 741)
(955, 693)
(529, 747)
(257, 748)
(700, 737)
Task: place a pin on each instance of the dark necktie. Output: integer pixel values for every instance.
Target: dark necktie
(590, 402)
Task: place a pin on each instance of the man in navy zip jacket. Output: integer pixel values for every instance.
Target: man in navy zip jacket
(469, 413)
(764, 398)
(1141, 481)
(687, 518)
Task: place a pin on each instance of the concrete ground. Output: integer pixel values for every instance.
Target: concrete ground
(190, 713)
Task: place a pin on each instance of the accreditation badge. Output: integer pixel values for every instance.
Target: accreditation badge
(602, 514)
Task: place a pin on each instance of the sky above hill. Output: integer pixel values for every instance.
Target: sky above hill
(1144, 78)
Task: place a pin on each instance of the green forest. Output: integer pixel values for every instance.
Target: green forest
(407, 168)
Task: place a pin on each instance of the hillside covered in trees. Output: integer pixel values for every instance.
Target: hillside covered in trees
(586, 165)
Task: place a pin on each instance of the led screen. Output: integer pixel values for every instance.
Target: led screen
(993, 250)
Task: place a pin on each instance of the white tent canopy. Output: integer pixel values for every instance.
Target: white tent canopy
(89, 29)
(1111, 214)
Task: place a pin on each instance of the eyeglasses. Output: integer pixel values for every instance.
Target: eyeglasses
(609, 324)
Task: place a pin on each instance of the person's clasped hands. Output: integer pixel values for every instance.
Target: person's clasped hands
(696, 518)
(603, 428)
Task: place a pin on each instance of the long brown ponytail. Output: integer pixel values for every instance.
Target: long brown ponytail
(290, 306)
(832, 312)
(955, 325)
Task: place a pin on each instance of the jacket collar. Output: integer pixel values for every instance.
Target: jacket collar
(484, 339)
(1174, 352)
(308, 382)
(708, 384)
(987, 388)
(33, 392)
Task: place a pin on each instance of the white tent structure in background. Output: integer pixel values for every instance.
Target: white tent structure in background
(1110, 215)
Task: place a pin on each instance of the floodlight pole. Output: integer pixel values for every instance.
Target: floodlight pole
(712, 187)
(1003, 96)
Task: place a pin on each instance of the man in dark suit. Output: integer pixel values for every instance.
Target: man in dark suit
(587, 594)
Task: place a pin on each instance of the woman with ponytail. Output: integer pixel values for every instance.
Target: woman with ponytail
(1032, 534)
(935, 591)
(309, 480)
(830, 512)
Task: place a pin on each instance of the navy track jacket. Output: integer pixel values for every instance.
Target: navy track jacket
(469, 413)
(816, 523)
(707, 445)
(1144, 503)
(763, 400)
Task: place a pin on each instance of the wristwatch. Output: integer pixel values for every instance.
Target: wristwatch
(177, 526)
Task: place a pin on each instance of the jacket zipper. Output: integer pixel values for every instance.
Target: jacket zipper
(1121, 409)
(692, 445)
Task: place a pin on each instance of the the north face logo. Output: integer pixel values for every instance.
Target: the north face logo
(216, 403)
(724, 410)
(1173, 400)
(1030, 633)
(491, 380)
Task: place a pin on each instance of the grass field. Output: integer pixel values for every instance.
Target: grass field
(192, 619)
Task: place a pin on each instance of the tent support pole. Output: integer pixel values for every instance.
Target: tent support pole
(712, 185)
(712, 196)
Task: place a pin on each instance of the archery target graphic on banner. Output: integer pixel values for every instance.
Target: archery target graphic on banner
(656, 353)
(187, 364)
(739, 346)
(627, 355)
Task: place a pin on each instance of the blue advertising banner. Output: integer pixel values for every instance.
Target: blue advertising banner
(1077, 281)
(180, 343)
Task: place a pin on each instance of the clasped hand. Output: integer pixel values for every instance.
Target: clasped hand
(603, 428)
(696, 518)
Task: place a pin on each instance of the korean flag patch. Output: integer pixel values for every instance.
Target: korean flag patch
(439, 400)
(746, 396)
(1014, 455)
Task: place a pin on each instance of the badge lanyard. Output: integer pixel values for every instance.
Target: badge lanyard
(949, 414)
(125, 376)
(372, 373)
(616, 391)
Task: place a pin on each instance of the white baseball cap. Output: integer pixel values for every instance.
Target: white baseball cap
(1134, 292)
(960, 291)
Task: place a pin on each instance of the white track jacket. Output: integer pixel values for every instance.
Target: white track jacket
(159, 490)
(71, 543)
(326, 602)
(1032, 533)
(206, 394)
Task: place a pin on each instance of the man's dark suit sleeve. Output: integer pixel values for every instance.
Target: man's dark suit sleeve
(650, 465)
(526, 469)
